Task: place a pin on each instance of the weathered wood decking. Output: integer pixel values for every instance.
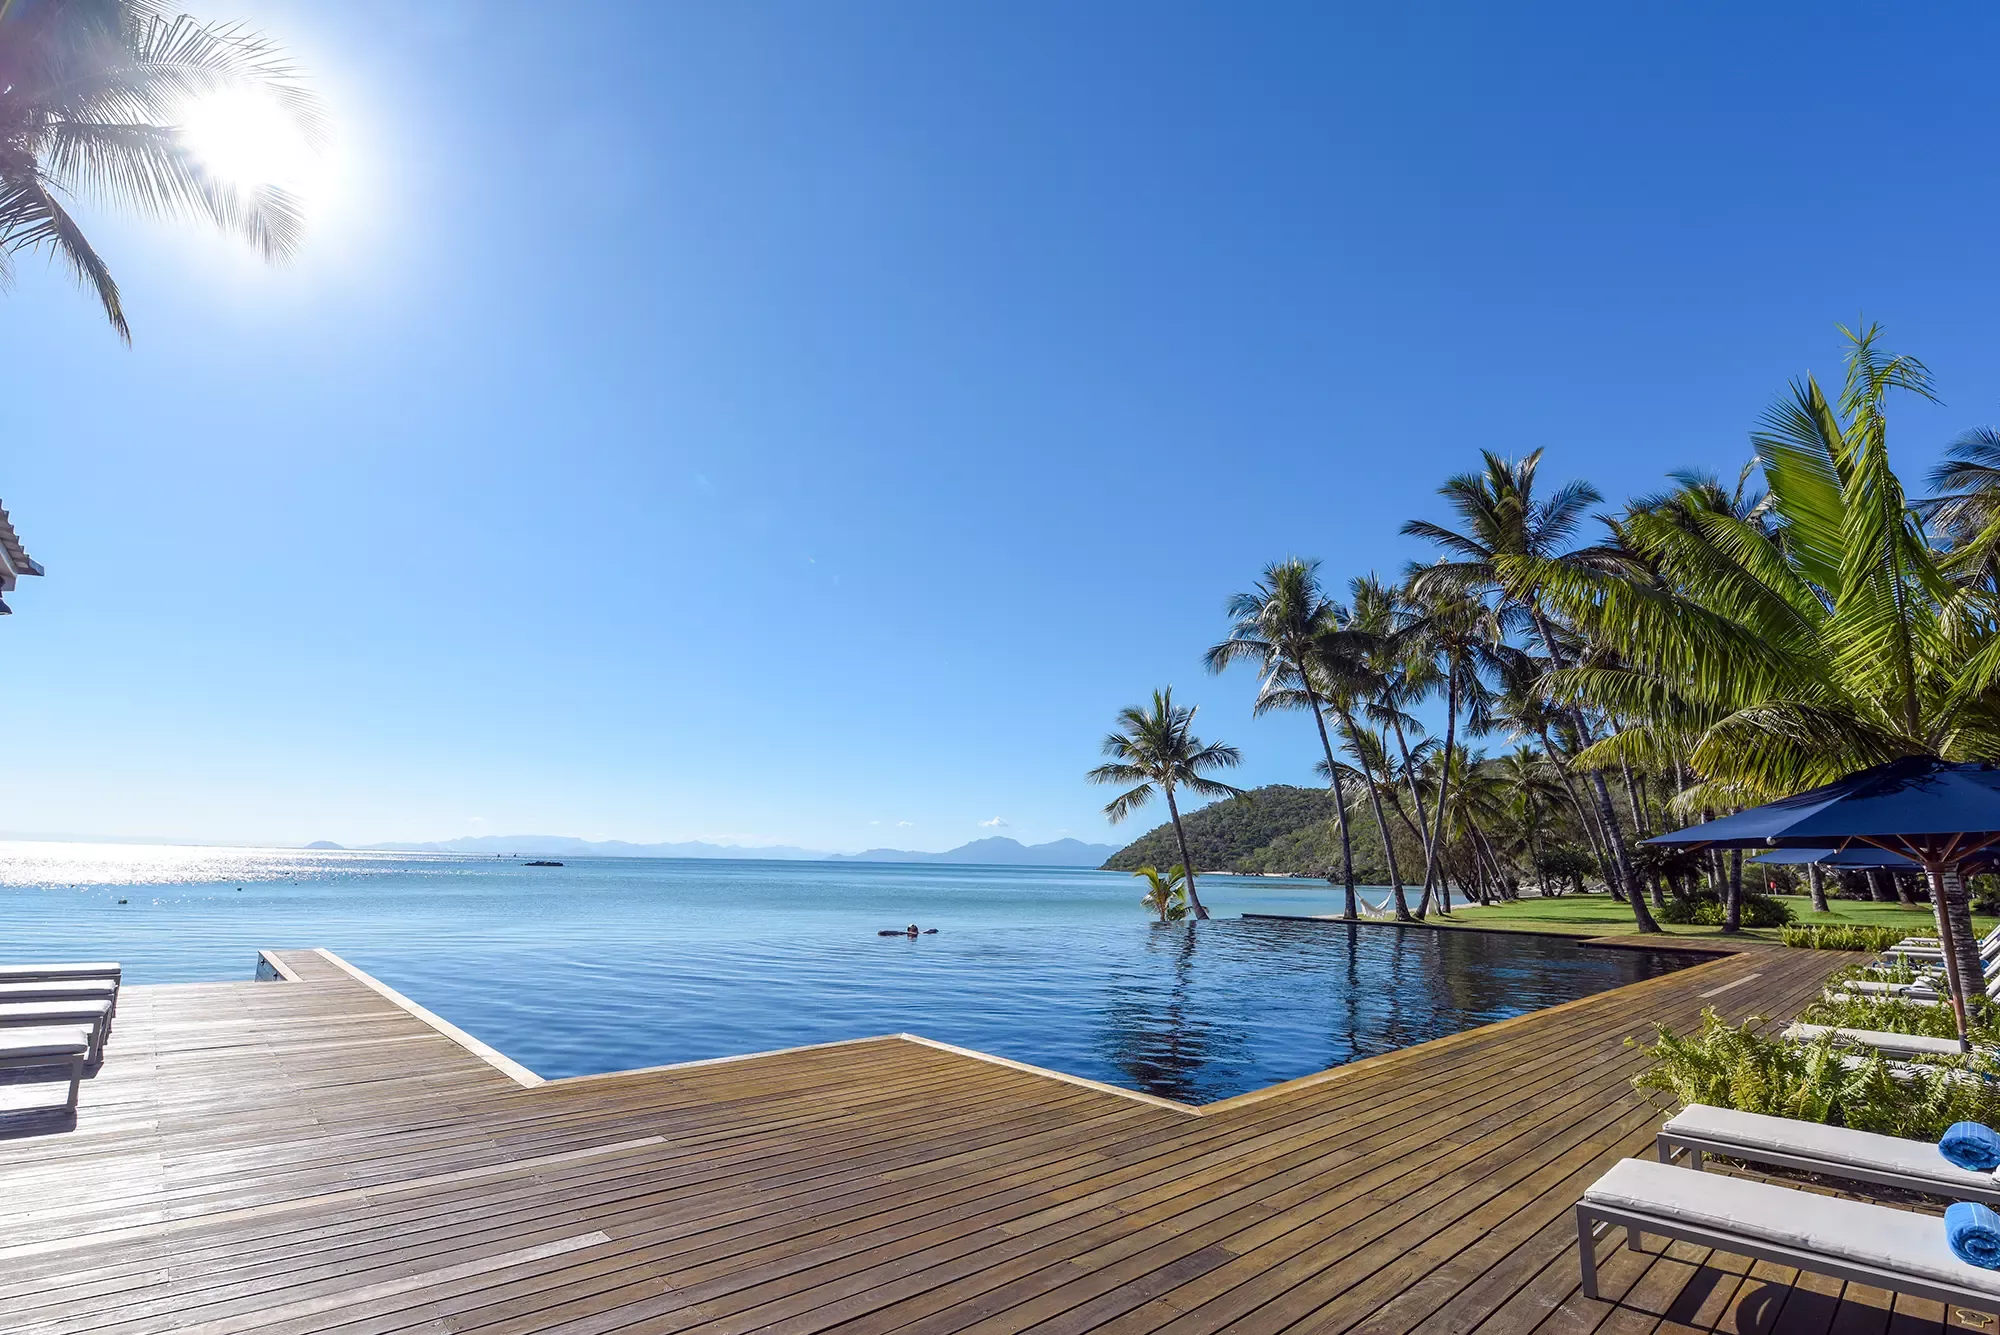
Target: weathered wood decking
(306, 1156)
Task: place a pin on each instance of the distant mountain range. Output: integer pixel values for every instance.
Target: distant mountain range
(999, 851)
(996, 851)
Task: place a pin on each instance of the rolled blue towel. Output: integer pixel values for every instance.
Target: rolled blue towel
(1974, 1234)
(1970, 1145)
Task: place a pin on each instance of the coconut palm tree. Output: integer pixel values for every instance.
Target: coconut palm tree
(1277, 624)
(1155, 750)
(1166, 893)
(1462, 639)
(1788, 654)
(1509, 537)
(1528, 781)
(93, 95)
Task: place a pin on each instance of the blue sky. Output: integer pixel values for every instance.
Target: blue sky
(808, 423)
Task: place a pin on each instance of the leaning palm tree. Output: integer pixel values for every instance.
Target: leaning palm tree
(93, 96)
(1277, 625)
(1155, 750)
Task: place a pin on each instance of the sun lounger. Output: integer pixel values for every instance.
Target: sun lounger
(55, 1046)
(1826, 1235)
(93, 1012)
(1888, 1044)
(59, 973)
(1986, 942)
(62, 990)
(1914, 1165)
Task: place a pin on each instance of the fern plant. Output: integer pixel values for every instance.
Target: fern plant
(1738, 1066)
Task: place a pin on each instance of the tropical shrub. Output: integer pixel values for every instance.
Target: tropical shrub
(1704, 909)
(1166, 892)
(1841, 936)
(1732, 1066)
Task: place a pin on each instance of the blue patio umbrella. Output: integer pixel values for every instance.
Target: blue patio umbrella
(1937, 813)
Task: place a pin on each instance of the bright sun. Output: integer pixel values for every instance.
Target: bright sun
(248, 140)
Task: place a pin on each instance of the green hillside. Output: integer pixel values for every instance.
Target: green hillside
(1276, 829)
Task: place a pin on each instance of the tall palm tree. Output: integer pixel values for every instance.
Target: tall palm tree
(1463, 640)
(1277, 624)
(1400, 676)
(93, 94)
(1509, 537)
(1791, 653)
(1154, 749)
(1354, 662)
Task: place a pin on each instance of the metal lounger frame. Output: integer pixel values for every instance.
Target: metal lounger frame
(1674, 1146)
(73, 1061)
(1590, 1218)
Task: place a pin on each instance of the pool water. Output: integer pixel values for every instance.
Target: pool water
(606, 964)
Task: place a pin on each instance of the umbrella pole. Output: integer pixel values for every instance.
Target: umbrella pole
(1948, 939)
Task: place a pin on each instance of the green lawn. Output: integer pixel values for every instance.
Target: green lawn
(1599, 915)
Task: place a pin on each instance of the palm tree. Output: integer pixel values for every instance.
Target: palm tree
(1350, 662)
(1155, 749)
(1509, 538)
(92, 97)
(1462, 638)
(1526, 777)
(1785, 655)
(1277, 624)
(1166, 894)
(1400, 676)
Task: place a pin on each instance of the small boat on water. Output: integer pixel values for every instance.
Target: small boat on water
(541, 864)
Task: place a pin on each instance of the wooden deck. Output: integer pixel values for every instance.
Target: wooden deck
(307, 1156)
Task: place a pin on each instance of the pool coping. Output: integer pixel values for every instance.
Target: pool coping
(528, 1079)
(1697, 945)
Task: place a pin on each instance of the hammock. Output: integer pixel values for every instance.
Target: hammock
(1375, 910)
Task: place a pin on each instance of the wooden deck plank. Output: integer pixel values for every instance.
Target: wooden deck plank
(306, 1155)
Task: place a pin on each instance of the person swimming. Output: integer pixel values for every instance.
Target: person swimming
(912, 931)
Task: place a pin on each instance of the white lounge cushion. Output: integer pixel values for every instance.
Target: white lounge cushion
(1890, 989)
(16, 1013)
(43, 973)
(1854, 1231)
(52, 1041)
(62, 990)
(1828, 1144)
(1880, 1039)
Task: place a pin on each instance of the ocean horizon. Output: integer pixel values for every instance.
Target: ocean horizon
(612, 963)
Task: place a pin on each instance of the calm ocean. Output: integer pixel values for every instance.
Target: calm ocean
(605, 964)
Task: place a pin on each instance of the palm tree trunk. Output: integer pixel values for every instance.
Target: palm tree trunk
(1732, 898)
(1410, 780)
(1434, 846)
(1350, 911)
(1561, 768)
(1875, 891)
(1954, 919)
(1817, 884)
(1642, 826)
(1187, 861)
(1623, 867)
(1381, 825)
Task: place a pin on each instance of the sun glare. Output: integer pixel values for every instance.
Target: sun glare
(248, 141)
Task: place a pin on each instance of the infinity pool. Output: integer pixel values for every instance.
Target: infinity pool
(607, 964)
